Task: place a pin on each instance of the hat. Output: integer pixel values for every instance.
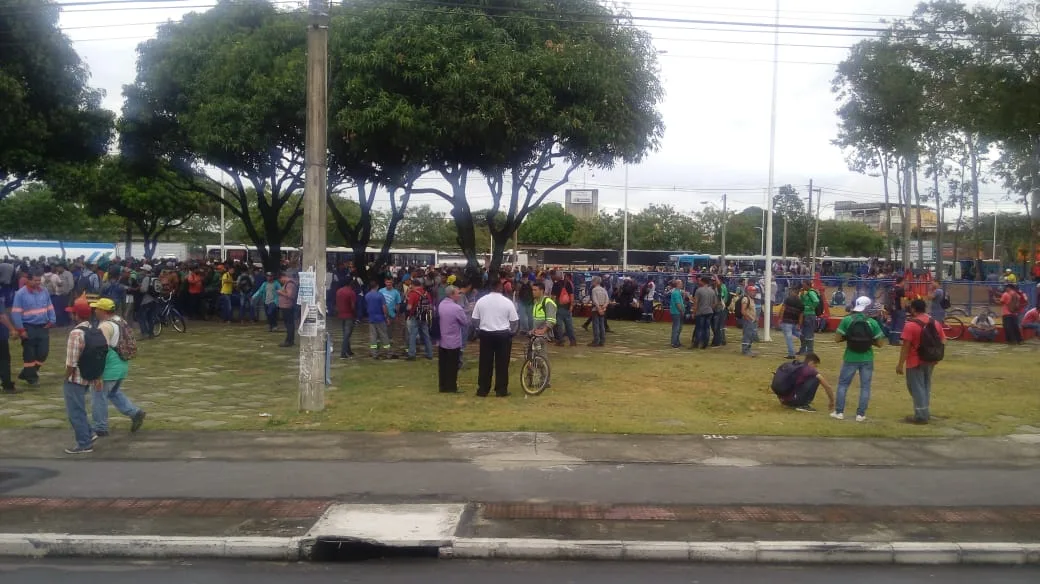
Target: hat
(862, 303)
(1008, 270)
(451, 279)
(105, 304)
(146, 268)
(80, 308)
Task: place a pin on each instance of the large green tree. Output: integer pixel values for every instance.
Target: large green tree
(34, 212)
(549, 224)
(49, 117)
(225, 89)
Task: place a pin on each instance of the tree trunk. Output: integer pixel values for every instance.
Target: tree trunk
(129, 239)
(974, 162)
(940, 266)
(397, 212)
(499, 241)
(920, 224)
(150, 243)
(888, 206)
(1034, 215)
(904, 212)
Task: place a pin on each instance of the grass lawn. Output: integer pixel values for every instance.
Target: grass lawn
(225, 377)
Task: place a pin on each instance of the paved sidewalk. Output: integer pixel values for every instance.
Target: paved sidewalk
(528, 449)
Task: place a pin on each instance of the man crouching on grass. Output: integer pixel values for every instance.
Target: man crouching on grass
(806, 382)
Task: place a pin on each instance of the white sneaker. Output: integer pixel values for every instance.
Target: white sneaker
(837, 416)
(861, 418)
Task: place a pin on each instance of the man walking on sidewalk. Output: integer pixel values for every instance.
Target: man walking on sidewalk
(496, 319)
(33, 315)
(923, 347)
(117, 366)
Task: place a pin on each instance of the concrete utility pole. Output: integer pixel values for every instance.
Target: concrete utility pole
(725, 220)
(312, 289)
(624, 245)
(816, 233)
(767, 300)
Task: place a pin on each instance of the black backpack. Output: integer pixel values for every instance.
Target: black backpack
(819, 302)
(785, 376)
(738, 311)
(945, 302)
(931, 349)
(859, 336)
(95, 351)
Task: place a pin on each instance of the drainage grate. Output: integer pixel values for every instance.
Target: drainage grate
(338, 549)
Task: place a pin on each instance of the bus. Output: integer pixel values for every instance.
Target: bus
(246, 254)
(686, 262)
(838, 266)
(400, 257)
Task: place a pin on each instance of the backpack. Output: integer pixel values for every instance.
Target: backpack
(126, 347)
(565, 296)
(424, 311)
(1015, 303)
(91, 362)
(113, 291)
(158, 288)
(819, 302)
(785, 376)
(838, 299)
(738, 311)
(945, 301)
(859, 337)
(931, 349)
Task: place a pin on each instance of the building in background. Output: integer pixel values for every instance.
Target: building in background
(582, 203)
(873, 215)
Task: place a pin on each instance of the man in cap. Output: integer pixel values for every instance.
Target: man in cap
(749, 315)
(117, 367)
(76, 387)
(861, 334)
(146, 286)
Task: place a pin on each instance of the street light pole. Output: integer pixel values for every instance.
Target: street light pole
(315, 221)
(725, 220)
(995, 234)
(767, 301)
(624, 249)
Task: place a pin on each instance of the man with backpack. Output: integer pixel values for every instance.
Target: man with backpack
(121, 348)
(747, 316)
(146, 286)
(85, 354)
(718, 320)
(563, 294)
(796, 383)
(1012, 303)
(813, 305)
(419, 310)
(923, 346)
(860, 334)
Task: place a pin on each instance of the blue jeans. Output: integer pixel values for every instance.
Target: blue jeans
(599, 329)
(702, 329)
(348, 331)
(676, 328)
(147, 318)
(225, 307)
(898, 322)
(112, 392)
(848, 371)
(718, 328)
(648, 310)
(76, 409)
(748, 337)
(919, 383)
(246, 310)
(271, 310)
(788, 329)
(809, 324)
(417, 328)
(525, 311)
(565, 325)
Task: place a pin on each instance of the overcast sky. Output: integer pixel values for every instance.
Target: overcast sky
(717, 79)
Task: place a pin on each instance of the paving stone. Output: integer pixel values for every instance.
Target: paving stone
(50, 423)
(209, 424)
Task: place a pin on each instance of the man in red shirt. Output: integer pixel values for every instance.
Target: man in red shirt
(420, 315)
(346, 310)
(918, 371)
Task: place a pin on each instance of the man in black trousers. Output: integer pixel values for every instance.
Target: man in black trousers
(496, 320)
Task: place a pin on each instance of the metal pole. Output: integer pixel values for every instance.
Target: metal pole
(313, 309)
(783, 253)
(725, 219)
(624, 248)
(816, 235)
(767, 301)
(223, 254)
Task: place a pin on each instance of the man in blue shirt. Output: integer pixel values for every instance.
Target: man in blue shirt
(677, 310)
(32, 315)
(378, 336)
(393, 323)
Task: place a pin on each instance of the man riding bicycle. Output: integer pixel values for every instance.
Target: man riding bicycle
(543, 310)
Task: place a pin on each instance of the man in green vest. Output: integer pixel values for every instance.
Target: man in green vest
(543, 311)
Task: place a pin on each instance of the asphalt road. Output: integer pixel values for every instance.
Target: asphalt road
(458, 572)
(564, 483)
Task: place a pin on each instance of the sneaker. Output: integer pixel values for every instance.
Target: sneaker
(138, 419)
(807, 409)
(914, 421)
(838, 415)
(101, 433)
(93, 438)
(790, 357)
(861, 418)
(79, 450)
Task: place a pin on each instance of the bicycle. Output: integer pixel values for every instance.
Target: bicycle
(953, 327)
(169, 316)
(534, 373)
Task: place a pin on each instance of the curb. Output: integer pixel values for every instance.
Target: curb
(764, 552)
(56, 545)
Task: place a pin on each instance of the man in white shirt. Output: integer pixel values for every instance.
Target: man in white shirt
(496, 320)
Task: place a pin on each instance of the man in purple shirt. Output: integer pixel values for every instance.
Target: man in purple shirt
(453, 321)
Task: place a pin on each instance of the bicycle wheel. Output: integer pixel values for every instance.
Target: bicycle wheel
(534, 376)
(953, 327)
(177, 322)
(157, 327)
(957, 312)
